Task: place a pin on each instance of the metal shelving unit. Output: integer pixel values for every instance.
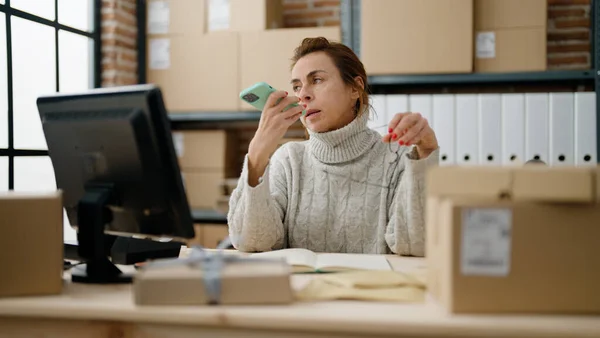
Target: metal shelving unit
(350, 25)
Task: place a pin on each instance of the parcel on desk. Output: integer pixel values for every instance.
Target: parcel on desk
(514, 239)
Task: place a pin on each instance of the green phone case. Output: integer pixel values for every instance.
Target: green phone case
(257, 94)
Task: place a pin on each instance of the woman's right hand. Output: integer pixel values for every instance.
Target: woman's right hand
(273, 124)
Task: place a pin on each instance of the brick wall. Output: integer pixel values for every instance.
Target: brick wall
(569, 34)
(119, 40)
(311, 13)
(568, 27)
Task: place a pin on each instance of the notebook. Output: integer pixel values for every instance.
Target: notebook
(303, 261)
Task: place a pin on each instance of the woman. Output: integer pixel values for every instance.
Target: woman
(345, 189)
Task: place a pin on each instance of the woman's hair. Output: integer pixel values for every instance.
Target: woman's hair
(347, 63)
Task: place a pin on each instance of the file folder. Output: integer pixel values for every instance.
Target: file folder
(421, 103)
(490, 129)
(444, 126)
(585, 129)
(467, 133)
(537, 127)
(562, 129)
(395, 103)
(378, 119)
(513, 129)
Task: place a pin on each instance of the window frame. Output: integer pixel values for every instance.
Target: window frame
(95, 35)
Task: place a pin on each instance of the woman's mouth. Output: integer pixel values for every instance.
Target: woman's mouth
(312, 112)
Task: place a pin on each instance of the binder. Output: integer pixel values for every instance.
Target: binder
(467, 124)
(444, 124)
(562, 129)
(537, 129)
(422, 104)
(513, 129)
(585, 129)
(378, 119)
(490, 129)
(395, 103)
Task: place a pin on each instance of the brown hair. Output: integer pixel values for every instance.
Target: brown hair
(347, 63)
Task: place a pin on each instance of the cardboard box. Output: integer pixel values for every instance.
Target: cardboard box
(528, 183)
(175, 17)
(31, 243)
(510, 35)
(207, 150)
(248, 15)
(242, 283)
(265, 55)
(196, 73)
(203, 188)
(511, 50)
(213, 234)
(429, 36)
(513, 257)
(500, 14)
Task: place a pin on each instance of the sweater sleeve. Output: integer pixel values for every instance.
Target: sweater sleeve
(256, 214)
(405, 232)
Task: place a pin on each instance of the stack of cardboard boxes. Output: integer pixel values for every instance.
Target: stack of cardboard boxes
(453, 36)
(514, 240)
(206, 159)
(202, 53)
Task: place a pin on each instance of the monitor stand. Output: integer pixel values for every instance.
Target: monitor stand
(93, 215)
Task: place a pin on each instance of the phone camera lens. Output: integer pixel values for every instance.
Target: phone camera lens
(250, 97)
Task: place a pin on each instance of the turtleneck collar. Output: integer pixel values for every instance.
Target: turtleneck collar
(344, 144)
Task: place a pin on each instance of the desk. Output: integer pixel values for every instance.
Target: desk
(108, 311)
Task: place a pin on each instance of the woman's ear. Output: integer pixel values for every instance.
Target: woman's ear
(355, 89)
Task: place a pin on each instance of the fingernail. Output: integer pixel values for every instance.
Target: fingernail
(299, 99)
(305, 105)
(286, 93)
(394, 136)
(390, 130)
(401, 142)
(407, 143)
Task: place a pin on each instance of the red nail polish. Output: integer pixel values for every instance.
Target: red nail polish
(394, 136)
(390, 130)
(286, 93)
(401, 142)
(305, 105)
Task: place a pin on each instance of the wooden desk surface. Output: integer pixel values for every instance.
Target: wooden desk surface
(113, 304)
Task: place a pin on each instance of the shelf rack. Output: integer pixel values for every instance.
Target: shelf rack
(350, 26)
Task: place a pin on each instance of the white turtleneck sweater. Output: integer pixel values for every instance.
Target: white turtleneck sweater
(339, 191)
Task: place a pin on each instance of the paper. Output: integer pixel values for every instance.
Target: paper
(218, 15)
(388, 286)
(158, 17)
(486, 241)
(178, 144)
(303, 260)
(160, 53)
(486, 45)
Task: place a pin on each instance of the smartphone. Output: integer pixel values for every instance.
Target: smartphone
(257, 95)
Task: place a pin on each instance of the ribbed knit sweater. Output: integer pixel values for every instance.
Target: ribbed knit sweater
(340, 191)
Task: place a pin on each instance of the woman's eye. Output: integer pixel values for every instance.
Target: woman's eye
(317, 80)
(296, 88)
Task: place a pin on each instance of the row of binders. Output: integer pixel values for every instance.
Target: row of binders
(502, 129)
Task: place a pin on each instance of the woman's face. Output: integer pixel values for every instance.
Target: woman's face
(329, 102)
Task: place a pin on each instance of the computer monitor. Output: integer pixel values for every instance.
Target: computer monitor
(114, 161)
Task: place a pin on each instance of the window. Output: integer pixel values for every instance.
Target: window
(46, 46)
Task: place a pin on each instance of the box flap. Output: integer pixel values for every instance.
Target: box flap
(529, 183)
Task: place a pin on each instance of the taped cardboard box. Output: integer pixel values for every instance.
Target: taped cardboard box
(429, 36)
(528, 183)
(510, 35)
(176, 17)
(31, 243)
(513, 257)
(243, 281)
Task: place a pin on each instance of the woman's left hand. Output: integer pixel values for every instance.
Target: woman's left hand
(412, 129)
